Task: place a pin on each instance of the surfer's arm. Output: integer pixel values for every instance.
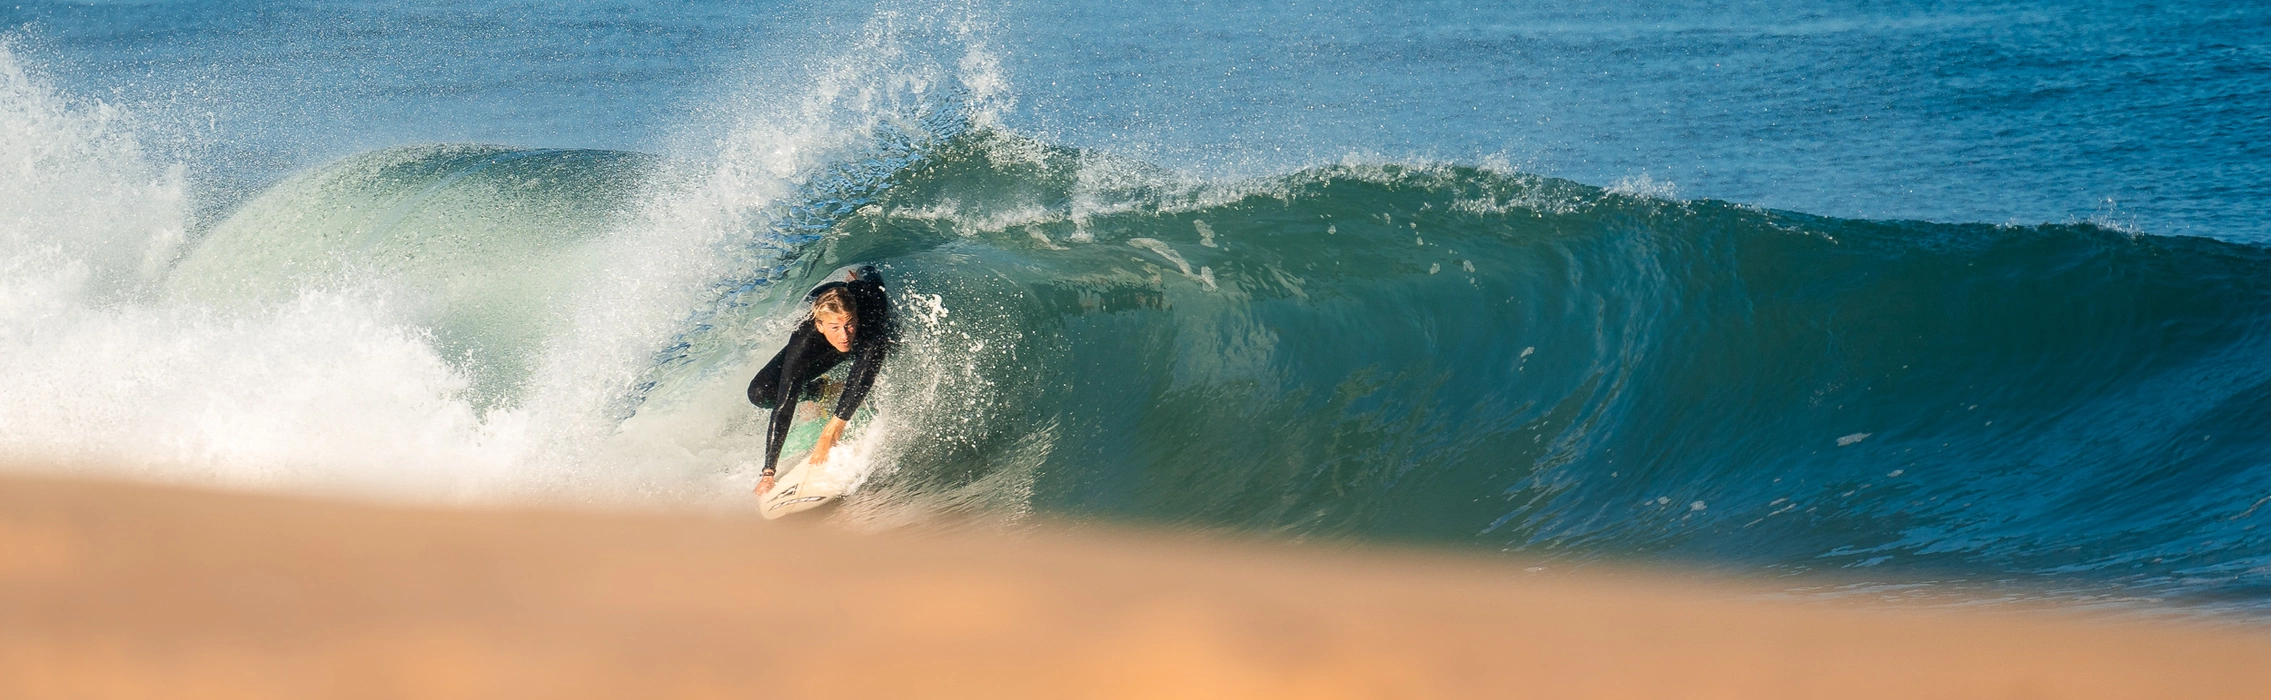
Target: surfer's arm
(776, 432)
(862, 377)
(828, 434)
(786, 382)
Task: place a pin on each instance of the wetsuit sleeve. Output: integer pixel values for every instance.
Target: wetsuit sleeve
(879, 333)
(864, 367)
(789, 369)
(765, 388)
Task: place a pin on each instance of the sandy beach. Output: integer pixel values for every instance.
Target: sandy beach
(112, 590)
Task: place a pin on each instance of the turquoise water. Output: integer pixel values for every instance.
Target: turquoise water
(1972, 296)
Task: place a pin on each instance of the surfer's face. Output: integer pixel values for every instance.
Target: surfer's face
(837, 329)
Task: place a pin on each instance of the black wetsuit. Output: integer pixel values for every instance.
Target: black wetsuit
(808, 355)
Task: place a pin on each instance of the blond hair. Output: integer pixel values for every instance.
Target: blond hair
(833, 303)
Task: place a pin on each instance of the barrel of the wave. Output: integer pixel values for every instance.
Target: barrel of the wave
(1467, 357)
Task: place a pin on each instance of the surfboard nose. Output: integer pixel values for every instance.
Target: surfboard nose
(795, 494)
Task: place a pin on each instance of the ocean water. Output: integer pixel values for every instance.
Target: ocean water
(1962, 301)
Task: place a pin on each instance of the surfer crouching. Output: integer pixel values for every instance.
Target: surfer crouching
(850, 318)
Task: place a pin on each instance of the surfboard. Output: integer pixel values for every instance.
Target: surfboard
(804, 486)
(797, 491)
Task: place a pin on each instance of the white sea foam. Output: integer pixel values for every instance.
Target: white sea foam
(322, 393)
(80, 204)
(1644, 186)
(1204, 276)
(325, 390)
(339, 386)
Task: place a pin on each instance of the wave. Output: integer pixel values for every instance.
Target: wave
(434, 322)
(476, 244)
(1427, 352)
(1457, 355)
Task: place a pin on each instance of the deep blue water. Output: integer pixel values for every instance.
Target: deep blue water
(2155, 115)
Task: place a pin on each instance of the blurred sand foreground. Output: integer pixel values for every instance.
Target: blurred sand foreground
(111, 590)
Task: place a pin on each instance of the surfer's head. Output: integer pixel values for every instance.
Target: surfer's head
(832, 315)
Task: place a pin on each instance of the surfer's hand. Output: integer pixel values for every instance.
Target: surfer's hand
(828, 434)
(764, 484)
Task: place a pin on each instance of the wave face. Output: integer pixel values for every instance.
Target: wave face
(1427, 353)
(1455, 355)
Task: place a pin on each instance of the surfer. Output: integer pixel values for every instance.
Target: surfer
(850, 317)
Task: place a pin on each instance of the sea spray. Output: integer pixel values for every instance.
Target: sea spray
(103, 370)
(81, 204)
(647, 393)
(454, 322)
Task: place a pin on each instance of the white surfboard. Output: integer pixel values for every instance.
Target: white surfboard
(803, 488)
